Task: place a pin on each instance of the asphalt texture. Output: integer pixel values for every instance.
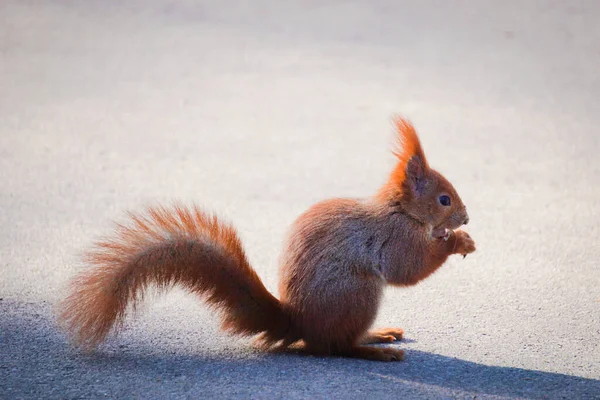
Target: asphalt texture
(256, 110)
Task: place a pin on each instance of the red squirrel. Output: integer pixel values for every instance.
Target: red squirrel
(338, 257)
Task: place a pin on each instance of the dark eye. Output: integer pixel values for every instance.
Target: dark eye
(444, 200)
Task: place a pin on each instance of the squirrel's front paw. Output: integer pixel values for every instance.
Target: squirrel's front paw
(464, 244)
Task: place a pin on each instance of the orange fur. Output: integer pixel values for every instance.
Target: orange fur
(167, 247)
(337, 259)
(408, 145)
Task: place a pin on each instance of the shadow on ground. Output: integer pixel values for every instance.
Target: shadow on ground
(36, 362)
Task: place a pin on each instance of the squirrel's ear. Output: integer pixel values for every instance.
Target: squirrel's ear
(415, 175)
(411, 159)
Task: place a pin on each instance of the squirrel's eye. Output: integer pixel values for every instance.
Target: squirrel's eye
(444, 200)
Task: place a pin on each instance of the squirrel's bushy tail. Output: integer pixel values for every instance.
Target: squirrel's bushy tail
(183, 246)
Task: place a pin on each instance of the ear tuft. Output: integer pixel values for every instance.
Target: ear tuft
(408, 147)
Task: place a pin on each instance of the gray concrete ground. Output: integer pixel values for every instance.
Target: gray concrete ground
(257, 110)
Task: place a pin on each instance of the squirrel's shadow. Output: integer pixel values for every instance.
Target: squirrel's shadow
(423, 373)
(33, 349)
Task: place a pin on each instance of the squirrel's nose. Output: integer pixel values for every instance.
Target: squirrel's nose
(466, 221)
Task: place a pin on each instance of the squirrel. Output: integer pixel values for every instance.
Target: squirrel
(337, 259)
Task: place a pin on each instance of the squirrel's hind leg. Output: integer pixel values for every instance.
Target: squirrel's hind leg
(385, 335)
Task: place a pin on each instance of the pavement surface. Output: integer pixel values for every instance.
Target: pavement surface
(258, 109)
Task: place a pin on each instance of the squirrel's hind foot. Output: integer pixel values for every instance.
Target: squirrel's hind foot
(375, 353)
(384, 335)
